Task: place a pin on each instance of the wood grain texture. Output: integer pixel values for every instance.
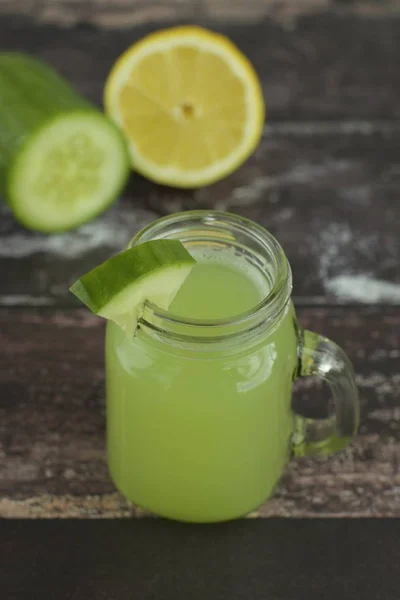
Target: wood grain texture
(329, 193)
(120, 13)
(325, 179)
(327, 66)
(52, 421)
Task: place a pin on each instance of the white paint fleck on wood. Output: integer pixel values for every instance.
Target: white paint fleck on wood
(125, 13)
(323, 128)
(362, 288)
(300, 174)
(334, 248)
(26, 300)
(113, 230)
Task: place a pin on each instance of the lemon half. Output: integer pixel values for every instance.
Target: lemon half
(190, 104)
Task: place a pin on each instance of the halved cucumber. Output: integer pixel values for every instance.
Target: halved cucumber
(62, 162)
(118, 288)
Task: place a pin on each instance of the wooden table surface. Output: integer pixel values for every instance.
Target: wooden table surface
(325, 181)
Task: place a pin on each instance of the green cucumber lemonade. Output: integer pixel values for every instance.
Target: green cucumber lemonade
(200, 431)
(202, 348)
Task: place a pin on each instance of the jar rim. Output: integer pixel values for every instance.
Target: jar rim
(267, 310)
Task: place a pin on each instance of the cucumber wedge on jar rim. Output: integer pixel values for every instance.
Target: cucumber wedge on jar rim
(118, 288)
(62, 162)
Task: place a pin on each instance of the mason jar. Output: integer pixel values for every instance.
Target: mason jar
(200, 423)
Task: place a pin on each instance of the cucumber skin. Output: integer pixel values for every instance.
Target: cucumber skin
(32, 94)
(96, 289)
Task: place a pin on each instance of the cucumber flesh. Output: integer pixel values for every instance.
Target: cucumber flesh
(118, 288)
(62, 161)
(68, 172)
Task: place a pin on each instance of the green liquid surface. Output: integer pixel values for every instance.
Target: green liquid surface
(216, 291)
(195, 435)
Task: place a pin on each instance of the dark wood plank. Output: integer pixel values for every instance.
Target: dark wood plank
(119, 13)
(329, 192)
(37, 269)
(324, 66)
(52, 420)
(278, 559)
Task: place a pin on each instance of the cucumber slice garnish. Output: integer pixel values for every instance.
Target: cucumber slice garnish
(118, 288)
(68, 172)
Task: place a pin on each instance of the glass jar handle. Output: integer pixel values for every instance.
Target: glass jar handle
(322, 358)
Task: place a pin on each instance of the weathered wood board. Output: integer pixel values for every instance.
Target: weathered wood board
(325, 180)
(324, 66)
(52, 421)
(330, 196)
